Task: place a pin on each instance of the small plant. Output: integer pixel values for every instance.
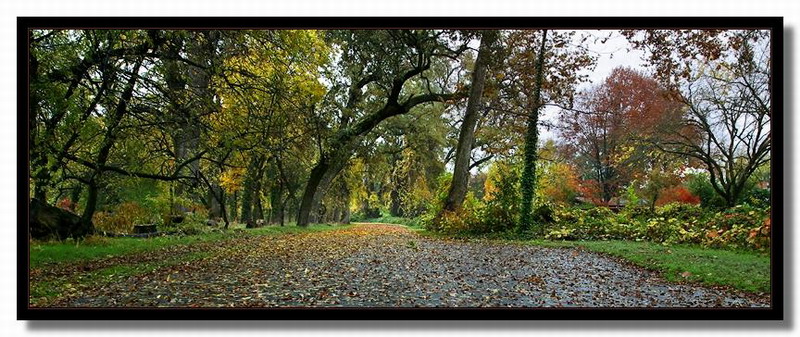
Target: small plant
(121, 218)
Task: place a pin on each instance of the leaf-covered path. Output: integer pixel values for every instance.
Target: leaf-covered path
(381, 265)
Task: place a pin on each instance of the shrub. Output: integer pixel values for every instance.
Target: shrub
(122, 218)
(681, 211)
(699, 185)
(743, 226)
(677, 194)
(637, 211)
(543, 213)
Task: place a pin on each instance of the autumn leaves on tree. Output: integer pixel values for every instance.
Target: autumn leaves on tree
(315, 126)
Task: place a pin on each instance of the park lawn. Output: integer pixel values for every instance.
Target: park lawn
(740, 269)
(95, 248)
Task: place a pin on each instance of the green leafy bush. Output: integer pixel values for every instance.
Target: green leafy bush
(681, 211)
(743, 226)
(121, 218)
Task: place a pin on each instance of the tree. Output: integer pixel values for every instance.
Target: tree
(728, 119)
(528, 177)
(382, 62)
(607, 129)
(458, 187)
(540, 68)
(725, 85)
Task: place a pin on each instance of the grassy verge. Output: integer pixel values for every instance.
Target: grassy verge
(93, 248)
(412, 223)
(743, 270)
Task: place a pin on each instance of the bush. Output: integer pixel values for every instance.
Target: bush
(192, 224)
(681, 211)
(121, 219)
(466, 219)
(639, 212)
(699, 185)
(743, 226)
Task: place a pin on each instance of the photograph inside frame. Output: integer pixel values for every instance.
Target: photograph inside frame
(408, 168)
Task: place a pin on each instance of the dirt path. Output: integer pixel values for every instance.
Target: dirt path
(382, 265)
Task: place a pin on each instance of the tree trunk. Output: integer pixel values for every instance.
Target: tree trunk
(254, 174)
(258, 207)
(318, 183)
(458, 186)
(528, 179)
(395, 208)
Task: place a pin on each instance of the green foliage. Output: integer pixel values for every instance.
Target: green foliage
(385, 218)
(700, 185)
(631, 196)
(502, 196)
(743, 226)
(464, 220)
(121, 219)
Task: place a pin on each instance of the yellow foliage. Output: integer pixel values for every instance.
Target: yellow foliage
(232, 179)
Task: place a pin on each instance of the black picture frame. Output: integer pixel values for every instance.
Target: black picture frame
(774, 312)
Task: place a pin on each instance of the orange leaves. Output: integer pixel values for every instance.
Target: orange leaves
(679, 194)
(67, 205)
(533, 279)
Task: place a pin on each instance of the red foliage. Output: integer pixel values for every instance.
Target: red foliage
(66, 205)
(591, 191)
(678, 194)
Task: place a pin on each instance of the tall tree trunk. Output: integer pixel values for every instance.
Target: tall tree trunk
(458, 187)
(395, 208)
(258, 207)
(528, 179)
(254, 174)
(233, 207)
(318, 183)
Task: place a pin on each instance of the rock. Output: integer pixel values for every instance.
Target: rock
(50, 222)
(255, 223)
(211, 223)
(144, 229)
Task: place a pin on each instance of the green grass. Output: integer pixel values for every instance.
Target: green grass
(94, 248)
(743, 270)
(408, 222)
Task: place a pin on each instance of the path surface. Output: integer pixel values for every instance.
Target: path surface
(382, 265)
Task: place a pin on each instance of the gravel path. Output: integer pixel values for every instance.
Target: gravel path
(378, 265)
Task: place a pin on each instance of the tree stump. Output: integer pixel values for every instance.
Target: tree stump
(144, 229)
